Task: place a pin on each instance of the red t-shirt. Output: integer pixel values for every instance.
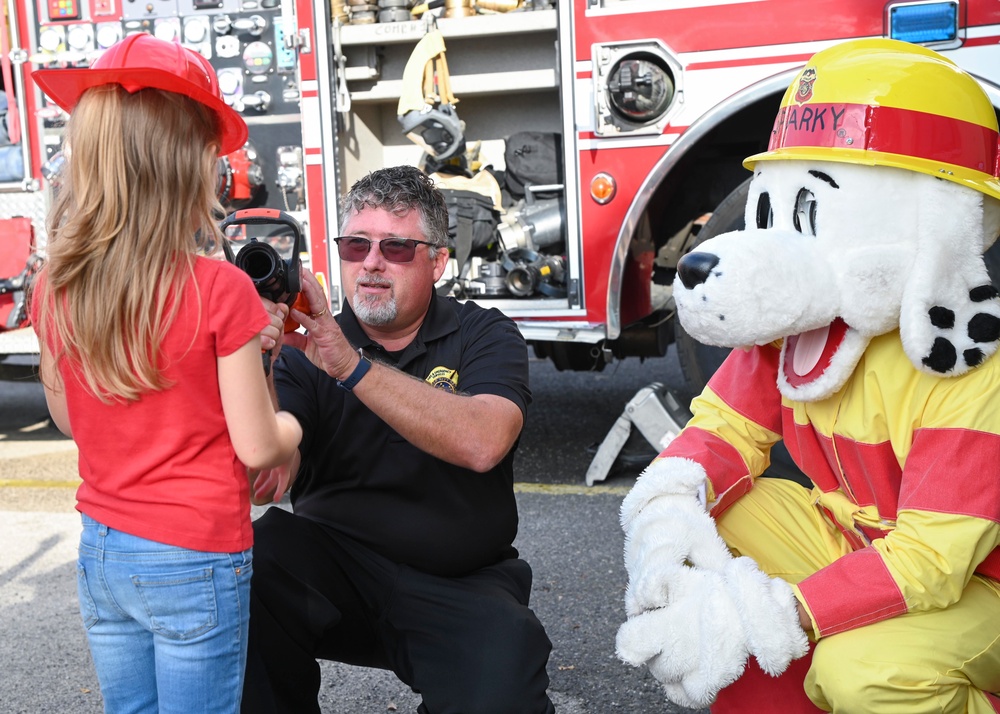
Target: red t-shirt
(163, 467)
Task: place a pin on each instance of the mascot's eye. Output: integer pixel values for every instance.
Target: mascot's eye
(805, 213)
(765, 216)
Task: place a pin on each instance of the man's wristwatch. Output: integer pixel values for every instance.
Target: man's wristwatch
(360, 371)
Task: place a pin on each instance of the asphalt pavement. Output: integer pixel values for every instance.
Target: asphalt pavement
(568, 532)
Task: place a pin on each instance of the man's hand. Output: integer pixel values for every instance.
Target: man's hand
(325, 345)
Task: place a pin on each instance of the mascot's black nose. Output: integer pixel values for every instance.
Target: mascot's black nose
(694, 268)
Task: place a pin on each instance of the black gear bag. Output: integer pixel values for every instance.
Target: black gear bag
(533, 158)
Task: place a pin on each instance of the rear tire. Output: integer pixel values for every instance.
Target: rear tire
(699, 361)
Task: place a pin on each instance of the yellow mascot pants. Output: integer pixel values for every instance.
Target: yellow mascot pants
(935, 661)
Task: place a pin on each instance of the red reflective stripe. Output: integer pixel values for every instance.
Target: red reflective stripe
(873, 472)
(721, 460)
(888, 129)
(953, 471)
(741, 368)
(853, 591)
(990, 567)
(812, 451)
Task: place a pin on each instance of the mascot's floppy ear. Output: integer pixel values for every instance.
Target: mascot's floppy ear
(950, 315)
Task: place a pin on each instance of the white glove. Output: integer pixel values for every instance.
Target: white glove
(699, 643)
(666, 524)
(696, 613)
(769, 614)
(694, 646)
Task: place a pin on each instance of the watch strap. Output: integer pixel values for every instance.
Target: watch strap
(364, 364)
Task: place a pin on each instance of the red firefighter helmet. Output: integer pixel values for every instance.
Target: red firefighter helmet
(889, 103)
(141, 61)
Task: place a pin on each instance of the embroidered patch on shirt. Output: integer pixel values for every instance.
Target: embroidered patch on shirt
(443, 378)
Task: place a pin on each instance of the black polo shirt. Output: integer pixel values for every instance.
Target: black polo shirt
(361, 477)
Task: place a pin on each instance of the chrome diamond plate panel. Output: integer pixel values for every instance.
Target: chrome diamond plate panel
(18, 342)
(34, 205)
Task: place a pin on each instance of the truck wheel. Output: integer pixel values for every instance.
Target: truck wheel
(698, 361)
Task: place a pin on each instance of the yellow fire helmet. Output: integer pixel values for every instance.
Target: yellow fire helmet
(889, 103)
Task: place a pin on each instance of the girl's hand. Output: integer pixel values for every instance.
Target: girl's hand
(269, 485)
(271, 336)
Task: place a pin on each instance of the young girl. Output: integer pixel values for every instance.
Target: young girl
(150, 360)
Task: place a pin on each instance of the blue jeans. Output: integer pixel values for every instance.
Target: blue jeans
(167, 626)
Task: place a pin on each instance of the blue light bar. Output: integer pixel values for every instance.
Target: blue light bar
(924, 23)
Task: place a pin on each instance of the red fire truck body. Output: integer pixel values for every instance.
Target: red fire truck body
(655, 104)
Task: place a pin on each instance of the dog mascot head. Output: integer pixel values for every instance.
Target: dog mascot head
(869, 212)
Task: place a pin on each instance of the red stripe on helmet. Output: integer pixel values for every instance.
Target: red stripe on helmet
(890, 130)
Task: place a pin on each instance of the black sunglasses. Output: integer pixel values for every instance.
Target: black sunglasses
(354, 249)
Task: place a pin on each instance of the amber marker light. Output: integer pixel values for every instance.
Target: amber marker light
(602, 188)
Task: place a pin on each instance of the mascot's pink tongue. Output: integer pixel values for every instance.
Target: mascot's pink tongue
(808, 355)
(808, 350)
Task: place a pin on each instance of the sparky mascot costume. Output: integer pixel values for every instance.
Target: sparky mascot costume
(868, 327)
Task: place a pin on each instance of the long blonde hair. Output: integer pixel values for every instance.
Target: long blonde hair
(136, 204)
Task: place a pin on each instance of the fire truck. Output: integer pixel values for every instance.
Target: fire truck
(634, 117)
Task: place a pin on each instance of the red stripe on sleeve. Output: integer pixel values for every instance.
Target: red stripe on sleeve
(953, 471)
(757, 366)
(722, 462)
(853, 591)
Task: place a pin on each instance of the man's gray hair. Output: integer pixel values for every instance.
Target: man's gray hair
(398, 189)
